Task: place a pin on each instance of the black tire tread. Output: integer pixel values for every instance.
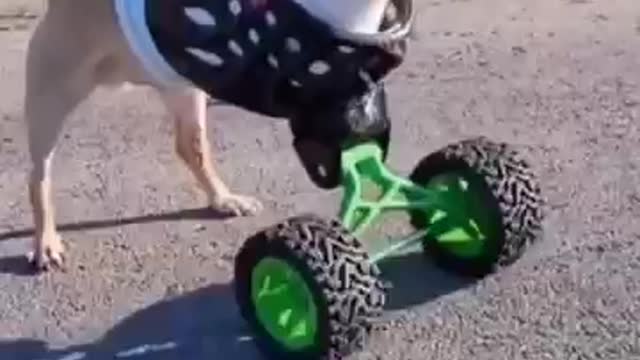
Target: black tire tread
(338, 264)
(513, 186)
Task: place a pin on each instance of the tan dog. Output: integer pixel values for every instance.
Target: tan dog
(80, 45)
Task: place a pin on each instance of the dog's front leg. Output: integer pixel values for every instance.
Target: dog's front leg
(189, 107)
(56, 82)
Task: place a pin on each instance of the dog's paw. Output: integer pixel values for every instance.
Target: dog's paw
(237, 205)
(48, 256)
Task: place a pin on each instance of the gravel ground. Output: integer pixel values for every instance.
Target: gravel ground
(149, 270)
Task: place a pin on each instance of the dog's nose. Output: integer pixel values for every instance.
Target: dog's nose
(366, 115)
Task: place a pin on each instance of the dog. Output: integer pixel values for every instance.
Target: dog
(80, 45)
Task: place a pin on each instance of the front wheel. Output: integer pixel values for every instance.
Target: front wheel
(307, 289)
(489, 206)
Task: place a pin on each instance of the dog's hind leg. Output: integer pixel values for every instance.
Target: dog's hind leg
(188, 108)
(56, 82)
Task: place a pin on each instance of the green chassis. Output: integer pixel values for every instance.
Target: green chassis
(284, 302)
(457, 221)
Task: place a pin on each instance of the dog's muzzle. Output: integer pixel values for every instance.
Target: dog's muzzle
(321, 133)
(323, 130)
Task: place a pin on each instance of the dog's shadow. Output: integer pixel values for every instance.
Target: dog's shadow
(206, 324)
(18, 265)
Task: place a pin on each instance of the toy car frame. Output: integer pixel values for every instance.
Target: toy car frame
(311, 289)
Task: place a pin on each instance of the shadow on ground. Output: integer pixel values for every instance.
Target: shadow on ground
(205, 324)
(417, 281)
(186, 214)
(18, 265)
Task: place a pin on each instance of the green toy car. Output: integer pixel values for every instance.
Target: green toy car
(311, 289)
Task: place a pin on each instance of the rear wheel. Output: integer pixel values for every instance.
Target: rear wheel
(307, 289)
(490, 206)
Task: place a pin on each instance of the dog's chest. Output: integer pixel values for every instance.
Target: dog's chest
(267, 56)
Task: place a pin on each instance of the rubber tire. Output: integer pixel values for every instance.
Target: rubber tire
(511, 192)
(349, 296)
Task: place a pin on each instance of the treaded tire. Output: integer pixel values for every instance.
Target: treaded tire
(348, 294)
(511, 193)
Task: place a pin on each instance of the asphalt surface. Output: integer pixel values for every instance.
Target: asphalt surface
(149, 270)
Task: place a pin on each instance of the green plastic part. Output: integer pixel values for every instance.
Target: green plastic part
(284, 304)
(362, 163)
(454, 212)
(451, 205)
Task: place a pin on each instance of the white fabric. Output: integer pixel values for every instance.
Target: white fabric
(132, 19)
(364, 16)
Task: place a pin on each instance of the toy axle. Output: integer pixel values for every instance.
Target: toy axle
(399, 245)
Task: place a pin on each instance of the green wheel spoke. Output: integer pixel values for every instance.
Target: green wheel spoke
(459, 222)
(284, 304)
(298, 326)
(447, 232)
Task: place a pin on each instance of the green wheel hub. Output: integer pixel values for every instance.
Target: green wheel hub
(463, 226)
(285, 306)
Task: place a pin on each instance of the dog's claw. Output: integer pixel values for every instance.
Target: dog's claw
(46, 262)
(48, 258)
(237, 205)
